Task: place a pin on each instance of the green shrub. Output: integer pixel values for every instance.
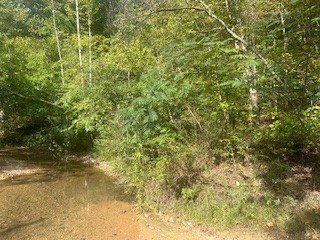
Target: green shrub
(283, 137)
(233, 206)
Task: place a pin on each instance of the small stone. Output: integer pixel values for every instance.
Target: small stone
(270, 224)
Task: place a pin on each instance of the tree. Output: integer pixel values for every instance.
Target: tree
(57, 40)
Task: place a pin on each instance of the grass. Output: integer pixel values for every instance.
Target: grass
(235, 206)
(282, 199)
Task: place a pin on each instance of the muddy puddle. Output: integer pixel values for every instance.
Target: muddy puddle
(45, 198)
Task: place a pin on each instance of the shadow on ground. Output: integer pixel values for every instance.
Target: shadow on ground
(4, 233)
(297, 180)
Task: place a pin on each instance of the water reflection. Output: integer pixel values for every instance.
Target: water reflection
(52, 201)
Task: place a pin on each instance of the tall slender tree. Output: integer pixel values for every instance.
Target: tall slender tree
(79, 39)
(57, 40)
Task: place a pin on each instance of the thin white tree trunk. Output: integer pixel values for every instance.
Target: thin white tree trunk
(285, 46)
(79, 37)
(253, 95)
(90, 48)
(57, 41)
(250, 71)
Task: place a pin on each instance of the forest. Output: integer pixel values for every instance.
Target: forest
(210, 108)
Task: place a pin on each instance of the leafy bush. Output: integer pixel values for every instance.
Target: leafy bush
(283, 137)
(233, 206)
(312, 125)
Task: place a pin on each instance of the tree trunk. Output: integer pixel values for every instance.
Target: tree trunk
(79, 38)
(285, 46)
(90, 48)
(244, 42)
(57, 41)
(253, 95)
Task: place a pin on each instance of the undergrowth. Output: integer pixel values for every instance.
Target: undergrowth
(239, 205)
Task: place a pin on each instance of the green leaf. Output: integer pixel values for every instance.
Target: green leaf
(228, 50)
(232, 83)
(153, 116)
(294, 2)
(317, 95)
(315, 19)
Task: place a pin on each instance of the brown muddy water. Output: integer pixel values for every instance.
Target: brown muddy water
(45, 198)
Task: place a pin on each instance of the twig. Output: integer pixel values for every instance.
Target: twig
(10, 92)
(194, 117)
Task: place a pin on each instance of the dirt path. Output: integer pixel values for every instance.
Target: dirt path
(120, 221)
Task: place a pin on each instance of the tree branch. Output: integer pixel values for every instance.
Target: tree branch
(165, 10)
(178, 9)
(12, 93)
(255, 51)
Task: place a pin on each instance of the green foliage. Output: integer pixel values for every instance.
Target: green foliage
(149, 116)
(284, 136)
(187, 194)
(311, 117)
(236, 207)
(166, 92)
(291, 135)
